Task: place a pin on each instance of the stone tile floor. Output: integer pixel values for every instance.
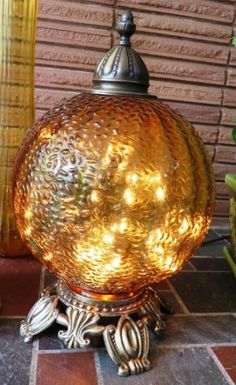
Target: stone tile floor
(198, 348)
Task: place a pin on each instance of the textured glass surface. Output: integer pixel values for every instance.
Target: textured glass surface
(17, 30)
(113, 193)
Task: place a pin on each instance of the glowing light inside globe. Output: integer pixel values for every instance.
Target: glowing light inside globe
(113, 193)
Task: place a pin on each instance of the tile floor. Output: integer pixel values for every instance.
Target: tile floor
(198, 348)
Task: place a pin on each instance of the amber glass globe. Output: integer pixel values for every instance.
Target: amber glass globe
(113, 193)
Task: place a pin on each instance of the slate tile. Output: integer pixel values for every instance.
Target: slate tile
(188, 266)
(171, 301)
(213, 264)
(210, 235)
(19, 285)
(223, 231)
(182, 366)
(198, 330)
(66, 368)
(15, 355)
(211, 249)
(48, 340)
(206, 292)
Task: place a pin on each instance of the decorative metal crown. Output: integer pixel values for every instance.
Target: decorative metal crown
(122, 70)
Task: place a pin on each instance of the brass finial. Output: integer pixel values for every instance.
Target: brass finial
(122, 71)
(126, 28)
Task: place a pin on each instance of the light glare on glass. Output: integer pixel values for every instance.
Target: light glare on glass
(102, 203)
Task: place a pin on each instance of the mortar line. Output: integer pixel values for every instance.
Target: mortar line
(206, 271)
(69, 351)
(212, 314)
(33, 365)
(162, 346)
(98, 369)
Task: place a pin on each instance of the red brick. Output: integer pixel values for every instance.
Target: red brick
(231, 77)
(185, 70)
(63, 78)
(207, 133)
(210, 10)
(226, 355)
(228, 116)
(181, 27)
(222, 190)
(229, 98)
(180, 48)
(185, 92)
(73, 35)
(223, 168)
(232, 61)
(75, 12)
(49, 98)
(220, 221)
(197, 113)
(39, 113)
(232, 374)
(226, 154)
(210, 151)
(56, 55)
(225, 135)
(19, 285)
(109, 2)
(66, 368)
(222, 207)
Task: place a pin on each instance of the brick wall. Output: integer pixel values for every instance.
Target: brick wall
(186, 45)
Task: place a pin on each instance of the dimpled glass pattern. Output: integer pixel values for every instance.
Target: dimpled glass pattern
(113, 193)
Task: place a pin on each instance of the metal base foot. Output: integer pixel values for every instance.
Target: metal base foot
(126, 341)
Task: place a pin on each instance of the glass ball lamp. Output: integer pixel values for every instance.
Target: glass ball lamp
(113, 191)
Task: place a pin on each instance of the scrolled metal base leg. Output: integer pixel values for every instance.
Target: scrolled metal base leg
(127, 343)
(152, 312)
(78, 321)
(42, 315)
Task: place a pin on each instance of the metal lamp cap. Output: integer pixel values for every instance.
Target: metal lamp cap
(122, 70)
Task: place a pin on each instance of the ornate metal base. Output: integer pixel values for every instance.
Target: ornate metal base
(126, 341)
